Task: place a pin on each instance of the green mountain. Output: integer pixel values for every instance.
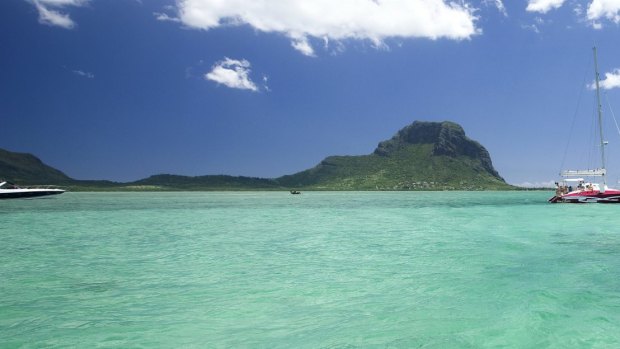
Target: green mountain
(219, 182)
(25, 168)
(421, 156)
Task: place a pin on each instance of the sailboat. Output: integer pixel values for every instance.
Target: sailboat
(573, 188)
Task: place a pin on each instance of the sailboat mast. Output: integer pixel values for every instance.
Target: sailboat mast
(600, 114)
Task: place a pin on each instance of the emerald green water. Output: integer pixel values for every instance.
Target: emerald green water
(317, 270)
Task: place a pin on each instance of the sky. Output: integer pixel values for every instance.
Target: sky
(124, 89)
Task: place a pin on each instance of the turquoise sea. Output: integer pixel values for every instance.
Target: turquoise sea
(317, 270)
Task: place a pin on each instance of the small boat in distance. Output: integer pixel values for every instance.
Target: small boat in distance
(11, 191)
(586, 191)
(294, 192)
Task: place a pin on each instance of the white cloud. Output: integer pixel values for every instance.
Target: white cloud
(165, 17)
(597, 25)
(265, 81)
(302, 45)
(544, 184)
(501, 7)
(63, 2)
(535, 27)
(232, 73)
(597, 9)
(374, 20)
(54, 18)
(49, 14)
(609, 9)
(611, 80)
(84, 74)
(578, 10)
(532, 27)
(498, 4)
(543, 6)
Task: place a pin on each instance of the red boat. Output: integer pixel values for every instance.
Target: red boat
(584, 192)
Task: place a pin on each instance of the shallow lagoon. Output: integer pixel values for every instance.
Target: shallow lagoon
(317, 270)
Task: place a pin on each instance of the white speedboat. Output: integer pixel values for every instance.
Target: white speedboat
(11, 191)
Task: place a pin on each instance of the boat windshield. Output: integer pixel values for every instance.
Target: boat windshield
(8, 185)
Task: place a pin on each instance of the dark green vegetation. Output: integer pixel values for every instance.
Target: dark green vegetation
(219, 182)
(27, 169)
(421, 156)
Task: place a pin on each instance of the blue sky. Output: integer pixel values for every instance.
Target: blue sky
(124, 89)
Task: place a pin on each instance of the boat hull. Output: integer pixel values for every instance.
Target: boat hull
(608, 197)
(28, 193)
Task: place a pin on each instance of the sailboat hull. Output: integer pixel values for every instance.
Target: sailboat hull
(610, 196)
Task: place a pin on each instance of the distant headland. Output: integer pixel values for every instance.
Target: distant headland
(421, 156)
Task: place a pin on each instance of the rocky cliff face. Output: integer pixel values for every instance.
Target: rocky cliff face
(447, 138)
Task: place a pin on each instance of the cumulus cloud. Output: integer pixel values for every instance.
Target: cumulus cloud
(609, 9)
(611, 80)
(597, 9)
(49, 13)
(374, 20)
(543, 6)
(232, 73)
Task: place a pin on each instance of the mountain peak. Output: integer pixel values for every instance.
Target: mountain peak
(421, 132)
(448, 139)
